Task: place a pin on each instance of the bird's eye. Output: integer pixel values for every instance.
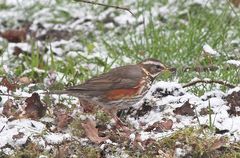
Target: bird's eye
(158, 66)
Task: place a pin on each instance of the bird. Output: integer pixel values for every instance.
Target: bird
(121, 87)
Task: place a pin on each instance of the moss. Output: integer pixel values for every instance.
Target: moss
(76, 128)
(29, 151)
(102, 117)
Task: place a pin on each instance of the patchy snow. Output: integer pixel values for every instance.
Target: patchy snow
(210, 51)
(234, 62)
(176, 97)
(11, 129)
(56, 138)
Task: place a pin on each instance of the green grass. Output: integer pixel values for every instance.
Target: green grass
(176, 43)
(179, 44)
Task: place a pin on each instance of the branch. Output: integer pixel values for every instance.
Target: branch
(11, 95)
(200, 68)
(210, 82)
(106, 5)
(2, 128)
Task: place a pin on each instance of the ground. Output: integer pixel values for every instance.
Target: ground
(49, 45)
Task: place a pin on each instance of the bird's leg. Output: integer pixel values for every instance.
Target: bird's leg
(119, 123)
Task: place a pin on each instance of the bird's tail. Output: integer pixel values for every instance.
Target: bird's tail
(60, 92)
(56, 92)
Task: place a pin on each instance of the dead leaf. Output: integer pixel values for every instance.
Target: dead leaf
(137, 142)
(63, 151)
(233, 101)
(18, 136)
(8, 108)
(11, 85)
(87, 106)
(185, 109)
(160, 126)
(17, 50)
(55, 35)
(236, 3)
(218, 143)
(35, 108)
(63, 118)
(15, 35)
(92, 132)
(205, 111)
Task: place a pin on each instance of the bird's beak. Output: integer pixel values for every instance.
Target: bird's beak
(170, 69)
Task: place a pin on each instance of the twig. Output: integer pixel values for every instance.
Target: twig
(232, 8)
(200, 68)
(106, 5)
(2, 128)
(210, 82)
(11, 95)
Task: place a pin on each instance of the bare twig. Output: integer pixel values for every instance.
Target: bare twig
(2, 128)
(106, 5)
(201, 68)
(210, 82)
(11, 95)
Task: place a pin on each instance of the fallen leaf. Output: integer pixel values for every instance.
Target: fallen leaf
(205, 111)
(185, 109)
(34, 108)
(92, 132)
(137, 142)
(15, 35)
(55, 35)
(236, 3)
(87, 106)
(160, 126)
(63, 118)
(11, 85)
(18, 136)
(218, 143)
(8, 108)
(17, 50)
(233, 101)
(63, 151)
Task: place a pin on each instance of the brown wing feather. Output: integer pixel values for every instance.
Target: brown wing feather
(119, 78)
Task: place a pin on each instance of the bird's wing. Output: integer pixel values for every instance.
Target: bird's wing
(119, 78)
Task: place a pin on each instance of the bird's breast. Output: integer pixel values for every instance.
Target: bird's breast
(117, 94)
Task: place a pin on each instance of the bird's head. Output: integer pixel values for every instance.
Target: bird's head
(154, 67)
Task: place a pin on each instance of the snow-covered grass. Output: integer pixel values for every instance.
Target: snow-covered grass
(68, 42)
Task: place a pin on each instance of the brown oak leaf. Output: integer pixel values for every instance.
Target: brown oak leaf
(17, 50)
(87, 106)
(236, 3)
(18, 136)
(160, 126)
(11, 86)
(34, 108)
(92, 132)
(185, 109)
(233, 101)
(218, 143)
(8, 108)
(63, 118)
(15, 35)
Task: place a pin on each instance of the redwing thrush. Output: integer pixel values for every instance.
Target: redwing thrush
(121, 87)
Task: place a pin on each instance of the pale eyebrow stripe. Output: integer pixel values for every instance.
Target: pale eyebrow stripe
(153, 63)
